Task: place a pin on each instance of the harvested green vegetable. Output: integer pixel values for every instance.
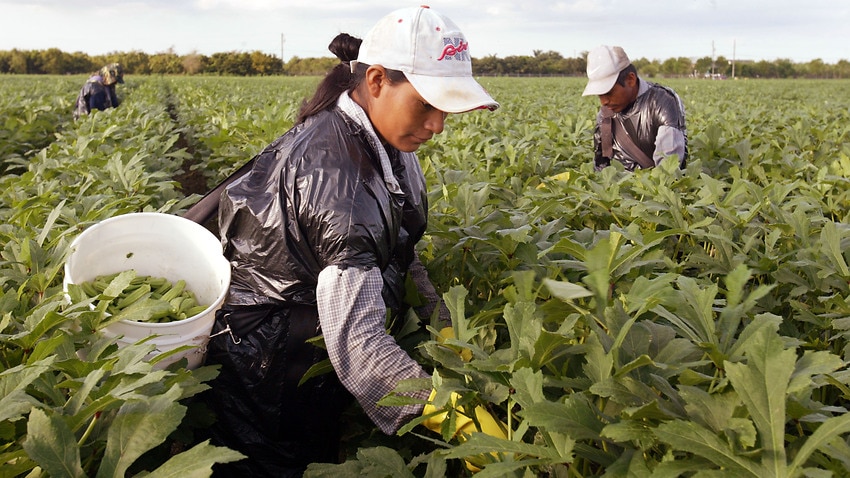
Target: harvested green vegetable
(144, 298)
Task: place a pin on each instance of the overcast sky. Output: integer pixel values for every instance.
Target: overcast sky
(799, 30)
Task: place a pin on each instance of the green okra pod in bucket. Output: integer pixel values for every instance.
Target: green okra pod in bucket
(156, 246)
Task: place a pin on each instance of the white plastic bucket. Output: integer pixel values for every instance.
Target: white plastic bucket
(159, 245)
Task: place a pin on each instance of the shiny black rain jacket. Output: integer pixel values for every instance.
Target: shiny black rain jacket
(655, 107)
(316, 197)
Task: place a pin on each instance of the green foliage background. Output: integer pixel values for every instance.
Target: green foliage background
(662, 323)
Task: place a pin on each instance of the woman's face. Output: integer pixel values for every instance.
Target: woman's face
(400, 116)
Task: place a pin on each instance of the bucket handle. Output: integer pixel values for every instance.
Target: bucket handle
(236, 340)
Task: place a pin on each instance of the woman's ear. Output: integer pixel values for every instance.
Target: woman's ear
(376, 77)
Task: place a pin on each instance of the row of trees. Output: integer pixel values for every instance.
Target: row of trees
(551, 63)
(57, 62)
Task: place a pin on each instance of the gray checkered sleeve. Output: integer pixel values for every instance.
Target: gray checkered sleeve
(367, 360)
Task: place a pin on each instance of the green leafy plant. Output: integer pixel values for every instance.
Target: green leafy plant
(657, 323)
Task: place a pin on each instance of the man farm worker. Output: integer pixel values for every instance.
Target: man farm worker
(639, 123)
(320, 234)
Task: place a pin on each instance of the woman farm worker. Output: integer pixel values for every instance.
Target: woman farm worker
(321, 234)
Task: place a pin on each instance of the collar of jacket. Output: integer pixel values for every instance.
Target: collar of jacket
(356, 113)
(643, 87)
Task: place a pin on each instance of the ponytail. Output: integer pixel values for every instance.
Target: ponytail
(338, 80)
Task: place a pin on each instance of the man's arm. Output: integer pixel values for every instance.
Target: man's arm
(671, 137)
(669, 141)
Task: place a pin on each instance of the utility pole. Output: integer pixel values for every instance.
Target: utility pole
(733, 59)
(282, 41)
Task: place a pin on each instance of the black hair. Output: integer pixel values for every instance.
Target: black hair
(621, 79)
(340, 78)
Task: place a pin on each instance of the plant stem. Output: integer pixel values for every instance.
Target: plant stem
(88, 430)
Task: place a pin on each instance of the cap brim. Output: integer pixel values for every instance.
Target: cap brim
(600, 86)
(455, 94)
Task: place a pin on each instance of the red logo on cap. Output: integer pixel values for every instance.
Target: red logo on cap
(454, 50)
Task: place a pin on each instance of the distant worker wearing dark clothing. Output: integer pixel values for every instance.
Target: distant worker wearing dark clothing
(640, 123)
(98, 93)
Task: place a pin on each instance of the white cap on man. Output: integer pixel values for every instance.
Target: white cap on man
(604, 64)
(432, 53)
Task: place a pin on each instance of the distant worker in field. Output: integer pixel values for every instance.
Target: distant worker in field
(98, 93)
(640, 123)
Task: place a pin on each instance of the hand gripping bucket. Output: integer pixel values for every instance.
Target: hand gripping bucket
(159, 245)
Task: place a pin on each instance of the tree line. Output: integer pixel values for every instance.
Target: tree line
(256, 63)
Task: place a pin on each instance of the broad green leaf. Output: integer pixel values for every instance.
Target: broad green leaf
(762, 384)
(317, 369)
(630, 464)
(712, 411)
(141, 311)
(79, 399)
(831, 248)
(21, 376)
(599, 364)
(693, 438)
(741, 431)
(626, 391)
(52, 445)
(382, 461)
(838, 449)
(752, 332)
(568, 246)
(481, 444)
(524, 326)
(735, 283)
(51, 346)
(128, 386)
(118, 284)
(566, 291)
(195, 462)
(15, 404)
(809, 365)
(51, 220)
(455, 300)
(436, 467)
(826, 432)
(599, 262)
(138, 427)
(327, 470)
(38, 327)
(550, 347)
(528, 386)
(645, 294)
(698, 308)
(576, 417)
(630, 431)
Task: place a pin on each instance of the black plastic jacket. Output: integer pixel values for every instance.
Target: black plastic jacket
(281, 224)
(94, 95)
(287, 220)
(657, 117)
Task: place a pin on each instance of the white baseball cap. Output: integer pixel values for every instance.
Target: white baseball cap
(604, 64)
(432, 53)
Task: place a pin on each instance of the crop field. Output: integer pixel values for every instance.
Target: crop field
(664, 323)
